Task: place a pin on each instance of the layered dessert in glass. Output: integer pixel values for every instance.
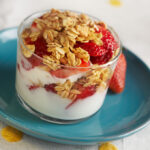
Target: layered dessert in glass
(65, 61)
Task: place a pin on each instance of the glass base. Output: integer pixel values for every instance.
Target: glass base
(45, 117)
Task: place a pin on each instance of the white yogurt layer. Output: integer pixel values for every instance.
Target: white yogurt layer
(49, 103)
(37, 75)
(53, 105)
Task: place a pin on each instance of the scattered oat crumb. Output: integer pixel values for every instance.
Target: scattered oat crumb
(11, 134)
(115, 2)
(107, 146)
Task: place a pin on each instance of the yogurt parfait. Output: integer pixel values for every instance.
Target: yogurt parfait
(65, 61)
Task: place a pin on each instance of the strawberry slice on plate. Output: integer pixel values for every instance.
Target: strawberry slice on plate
(117, 82)
(66, 72)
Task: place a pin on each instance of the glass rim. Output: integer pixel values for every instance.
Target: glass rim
(92, 17)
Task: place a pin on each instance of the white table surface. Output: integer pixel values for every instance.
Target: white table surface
(131, 21)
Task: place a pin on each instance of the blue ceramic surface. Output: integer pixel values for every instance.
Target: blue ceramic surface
(121, 115)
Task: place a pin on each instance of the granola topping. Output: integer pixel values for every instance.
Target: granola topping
(62, 31)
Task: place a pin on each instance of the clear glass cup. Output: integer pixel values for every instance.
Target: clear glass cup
(59, 100)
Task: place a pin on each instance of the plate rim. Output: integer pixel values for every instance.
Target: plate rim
(92, 139)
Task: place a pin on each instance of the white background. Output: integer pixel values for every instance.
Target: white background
(131, 21)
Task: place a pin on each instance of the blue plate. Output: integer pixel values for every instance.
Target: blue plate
(121, 115)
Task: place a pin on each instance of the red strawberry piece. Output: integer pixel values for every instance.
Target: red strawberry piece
(109, 43)
(85, 92)
(84, 66)
(108, 39)
(28, 40)
(102, 59)
(50, 87)
(66, 72)
(117, 82)
(41, 47)
(62, 73)
(40, 50)
(92, 48)
(33, 87)
(101, 54)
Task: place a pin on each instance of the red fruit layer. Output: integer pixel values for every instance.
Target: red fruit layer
(50, 88)
(108, 39)
(40, 50)
(41, 47)
(102, 59)
(66, 72)
(33, 87)
(85, 92)
(117, 82)
(34, 61)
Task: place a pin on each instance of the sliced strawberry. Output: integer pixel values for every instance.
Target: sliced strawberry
(101, 54)
(50, 87)
(84, 64)
(66, 72)
(117, 82)
(41, 47)
(92, 48)
(62, 73)
(40, 50)
(102, 59)
(28, 40)
(33, 87)
(85, 92)
(109, 42)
